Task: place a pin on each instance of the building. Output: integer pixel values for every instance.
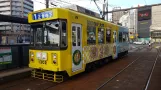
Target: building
(155, 27)
(144, 22)
(117, 15)
(129, 20)
(13, 32)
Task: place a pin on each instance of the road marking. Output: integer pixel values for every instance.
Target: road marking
(157, 46)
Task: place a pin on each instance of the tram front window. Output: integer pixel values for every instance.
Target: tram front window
(48, 34)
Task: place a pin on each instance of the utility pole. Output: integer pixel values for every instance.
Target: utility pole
(47, 3)
(103, 13)
(105, 9)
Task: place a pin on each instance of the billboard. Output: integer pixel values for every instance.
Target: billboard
(144, 15)
(144, 22)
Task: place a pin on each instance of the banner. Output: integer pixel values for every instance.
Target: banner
(5, 55)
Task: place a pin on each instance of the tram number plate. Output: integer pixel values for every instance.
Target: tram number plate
(42, 62)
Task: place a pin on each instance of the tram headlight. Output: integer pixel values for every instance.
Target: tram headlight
(54, 61)
(54, 57)
(31, 54)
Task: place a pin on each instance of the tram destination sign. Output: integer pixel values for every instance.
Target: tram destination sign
(42, 15)
(5, 55)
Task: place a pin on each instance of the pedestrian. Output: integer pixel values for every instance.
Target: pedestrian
(149, 44)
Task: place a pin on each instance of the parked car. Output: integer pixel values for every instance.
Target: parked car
(138, 42)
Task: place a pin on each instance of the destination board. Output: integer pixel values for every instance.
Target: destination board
(42, 15)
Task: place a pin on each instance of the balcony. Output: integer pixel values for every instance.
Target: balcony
(4, 4)
(5, 8)
(3, 28)
(16, 8)
(6, 13)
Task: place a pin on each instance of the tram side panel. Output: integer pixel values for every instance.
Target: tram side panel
(123, 41)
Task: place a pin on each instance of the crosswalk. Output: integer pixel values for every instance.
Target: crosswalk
(143, 48)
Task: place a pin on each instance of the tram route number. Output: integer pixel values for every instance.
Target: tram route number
(42, 61)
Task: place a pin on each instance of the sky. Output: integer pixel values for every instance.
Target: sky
(89, 4)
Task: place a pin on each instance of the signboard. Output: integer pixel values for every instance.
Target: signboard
(144, 29)
(5, 55)
(144, 15)
(42, 15)
(144, 22)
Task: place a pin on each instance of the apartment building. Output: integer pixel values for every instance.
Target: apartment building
(12, 32)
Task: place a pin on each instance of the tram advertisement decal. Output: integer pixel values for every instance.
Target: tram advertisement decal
(77, 57)
(5, 55)
(114, 49)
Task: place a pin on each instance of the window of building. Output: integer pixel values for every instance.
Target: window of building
(91, 35)
(100, 35)
(108, 36)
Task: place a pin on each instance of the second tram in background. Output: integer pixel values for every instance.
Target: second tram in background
(69, 41)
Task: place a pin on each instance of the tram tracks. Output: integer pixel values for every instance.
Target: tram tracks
(151, 73)
(114, 77)
(29, 84)
(32, 84)
(117, 74)
(16, 83)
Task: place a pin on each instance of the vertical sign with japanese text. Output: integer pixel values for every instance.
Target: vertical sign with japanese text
(5, 55)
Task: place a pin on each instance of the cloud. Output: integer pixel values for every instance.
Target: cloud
(39, 5)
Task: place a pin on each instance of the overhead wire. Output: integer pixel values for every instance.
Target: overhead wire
(61, 1)
(43, 3)
(145, 2)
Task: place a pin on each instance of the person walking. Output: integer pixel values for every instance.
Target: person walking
(149, 44)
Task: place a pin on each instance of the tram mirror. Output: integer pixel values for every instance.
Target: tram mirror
(56, 25)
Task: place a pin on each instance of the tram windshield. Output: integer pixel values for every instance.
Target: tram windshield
(48, 34)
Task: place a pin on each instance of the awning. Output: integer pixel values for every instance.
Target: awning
(8, 18)
(155, 28)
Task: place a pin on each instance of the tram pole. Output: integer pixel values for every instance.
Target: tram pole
(47, 3)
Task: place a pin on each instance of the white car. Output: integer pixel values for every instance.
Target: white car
(138, 42)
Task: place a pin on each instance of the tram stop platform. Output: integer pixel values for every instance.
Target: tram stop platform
(14, 74)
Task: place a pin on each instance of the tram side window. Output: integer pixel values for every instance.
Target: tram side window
(91, 35)
(74, 36)
(120, 36)
(108, 36)
(124, 37)
(100, 35)
(64, 35)
(127, 37)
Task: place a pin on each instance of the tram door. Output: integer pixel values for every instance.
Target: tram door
(77, 62)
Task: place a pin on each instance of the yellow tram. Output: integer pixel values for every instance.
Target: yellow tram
(65, 40)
